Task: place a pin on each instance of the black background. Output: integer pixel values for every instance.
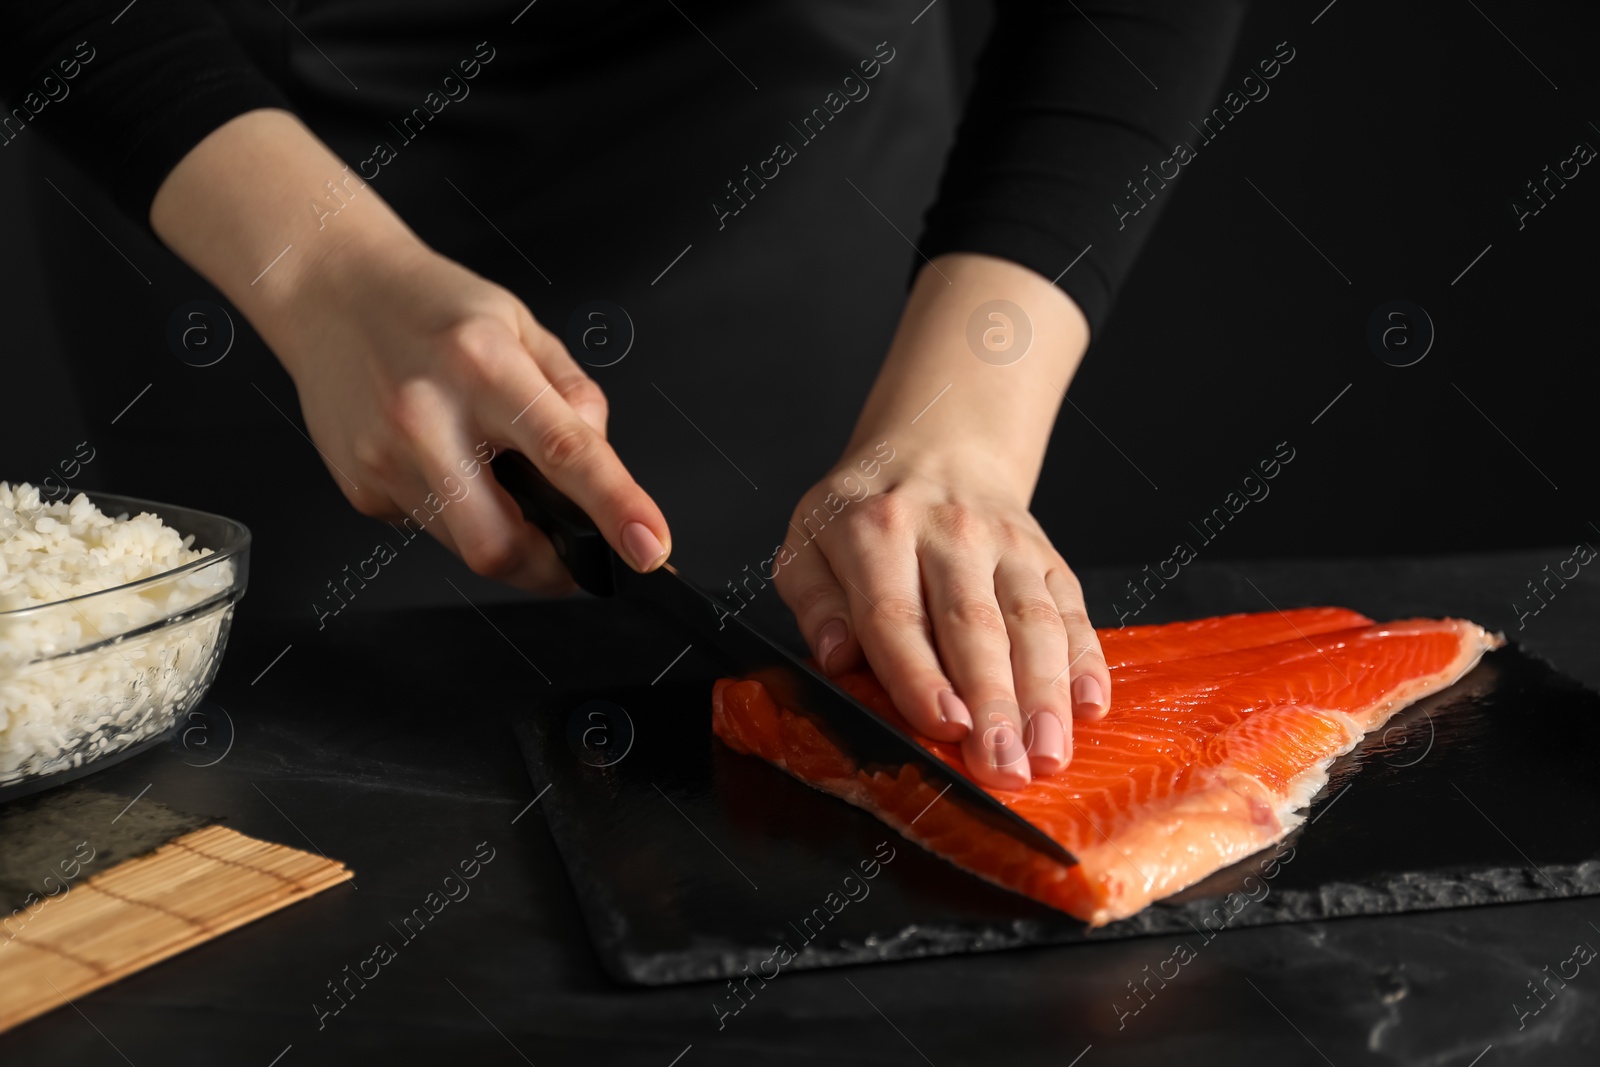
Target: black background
(1395, 142)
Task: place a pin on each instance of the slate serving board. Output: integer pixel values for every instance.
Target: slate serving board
(692, 862)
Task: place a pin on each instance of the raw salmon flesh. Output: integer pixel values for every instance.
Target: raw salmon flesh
(1220, 730)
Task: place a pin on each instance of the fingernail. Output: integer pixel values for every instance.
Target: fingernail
(952, 710)
(1049, 741)
(642, 546)
(1009, 754)
(829, 640)
(1087, 696)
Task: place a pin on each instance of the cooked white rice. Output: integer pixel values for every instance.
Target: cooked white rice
(57, 708)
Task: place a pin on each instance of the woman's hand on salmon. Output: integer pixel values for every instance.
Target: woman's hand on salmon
(406, 363)
(932, 569)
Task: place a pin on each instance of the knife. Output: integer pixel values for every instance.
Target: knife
(855, 728)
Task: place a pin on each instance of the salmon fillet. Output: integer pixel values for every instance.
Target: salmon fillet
(1219, 731)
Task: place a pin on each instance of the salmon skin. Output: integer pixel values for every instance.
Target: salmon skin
(1220, 730)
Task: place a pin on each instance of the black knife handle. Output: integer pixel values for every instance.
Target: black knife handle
(576, 538)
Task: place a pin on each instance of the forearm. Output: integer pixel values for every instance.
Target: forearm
(261, 205)
(954, 401)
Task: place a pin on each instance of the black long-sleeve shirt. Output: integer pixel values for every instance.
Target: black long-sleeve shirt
(1071, 103)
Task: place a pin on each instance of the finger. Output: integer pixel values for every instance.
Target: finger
(541, 569)
(1049, 742)
(536, 420)
(1039, 655)
(1088, 679)
(478, 520)
(878, 568)
(821, 609)
(570, 380)
(420, 518)
(970, 632)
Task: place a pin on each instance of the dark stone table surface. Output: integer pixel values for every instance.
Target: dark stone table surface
(385, 741)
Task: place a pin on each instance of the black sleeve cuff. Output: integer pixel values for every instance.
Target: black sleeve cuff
(127, 94)
(1063, 119)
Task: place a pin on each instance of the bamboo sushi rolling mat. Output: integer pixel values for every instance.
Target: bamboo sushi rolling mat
(189, 890)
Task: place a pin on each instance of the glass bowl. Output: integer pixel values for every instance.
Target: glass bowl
(89, 679)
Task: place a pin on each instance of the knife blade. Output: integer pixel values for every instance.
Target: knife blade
(870, 740)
